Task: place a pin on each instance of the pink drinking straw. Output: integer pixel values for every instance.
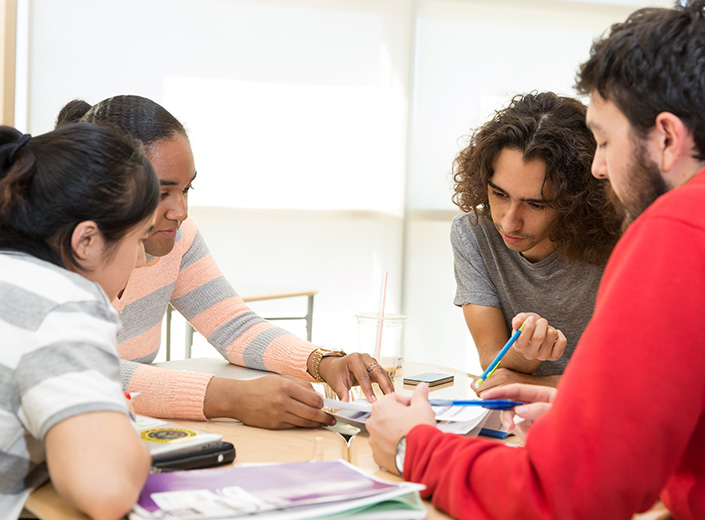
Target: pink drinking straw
(380, 317)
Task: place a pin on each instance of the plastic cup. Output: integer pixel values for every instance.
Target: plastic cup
(390, 353)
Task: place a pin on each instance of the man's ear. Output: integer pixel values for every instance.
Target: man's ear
(672, 140)
(87, 243)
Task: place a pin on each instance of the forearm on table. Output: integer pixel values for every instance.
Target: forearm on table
(504, 376)
(222, 399)
(549, 380)
(541, 380)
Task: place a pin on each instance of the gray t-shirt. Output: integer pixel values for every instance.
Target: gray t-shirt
(488, 273)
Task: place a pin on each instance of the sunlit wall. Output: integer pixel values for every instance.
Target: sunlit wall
(323, 130)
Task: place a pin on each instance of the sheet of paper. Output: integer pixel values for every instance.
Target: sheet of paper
(456, 419)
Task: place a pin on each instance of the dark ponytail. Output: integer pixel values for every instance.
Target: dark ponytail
(72, 112)
(51, 183)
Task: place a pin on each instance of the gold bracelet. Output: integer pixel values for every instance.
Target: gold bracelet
(318, 355)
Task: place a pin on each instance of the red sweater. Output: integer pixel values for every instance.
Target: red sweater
(627, 425)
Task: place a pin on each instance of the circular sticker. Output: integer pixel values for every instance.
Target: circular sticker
(166, 434)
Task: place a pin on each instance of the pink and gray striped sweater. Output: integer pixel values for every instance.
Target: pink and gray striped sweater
(189, 278)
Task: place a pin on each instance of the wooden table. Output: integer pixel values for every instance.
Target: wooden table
(252, 445)
(258, 445)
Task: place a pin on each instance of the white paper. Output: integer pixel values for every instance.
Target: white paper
(453, 419)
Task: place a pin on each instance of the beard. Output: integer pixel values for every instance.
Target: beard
(645, 187)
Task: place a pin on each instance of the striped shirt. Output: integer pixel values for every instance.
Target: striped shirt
(189, 278)
(58, 360)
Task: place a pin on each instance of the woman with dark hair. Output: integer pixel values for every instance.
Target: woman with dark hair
(75, 207)
(535, 234)
(181, 271)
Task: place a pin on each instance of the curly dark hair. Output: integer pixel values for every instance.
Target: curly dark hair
(552, 129)
(653, 62)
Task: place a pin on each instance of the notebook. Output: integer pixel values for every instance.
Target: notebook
(166, 439)
(289, 491)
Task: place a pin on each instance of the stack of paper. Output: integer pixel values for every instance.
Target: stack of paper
(321, 489)
(454, 419)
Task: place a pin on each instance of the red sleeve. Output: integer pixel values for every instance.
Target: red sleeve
(627, 408)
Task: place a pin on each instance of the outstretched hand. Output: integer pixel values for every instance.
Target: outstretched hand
(342, 373)
(537, 401)
(273, 402)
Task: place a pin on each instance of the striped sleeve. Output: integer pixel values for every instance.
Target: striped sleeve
(175, 394)
(211, 305)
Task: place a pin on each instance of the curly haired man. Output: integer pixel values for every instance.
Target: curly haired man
(533, 237)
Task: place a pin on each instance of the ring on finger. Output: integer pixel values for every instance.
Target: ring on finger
(372, 366)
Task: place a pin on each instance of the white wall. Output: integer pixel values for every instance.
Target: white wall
(324, 130)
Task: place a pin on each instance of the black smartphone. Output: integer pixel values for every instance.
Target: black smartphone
(205, 458)
(430, 378)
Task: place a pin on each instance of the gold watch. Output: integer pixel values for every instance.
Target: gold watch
(318, 355)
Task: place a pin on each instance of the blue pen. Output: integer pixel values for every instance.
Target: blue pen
(492, 404)
(498, 358)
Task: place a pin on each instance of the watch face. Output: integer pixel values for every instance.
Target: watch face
(333, 353)
(400, 455)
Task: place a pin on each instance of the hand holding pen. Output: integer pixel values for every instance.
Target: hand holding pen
(538, 340)
(534, 338)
